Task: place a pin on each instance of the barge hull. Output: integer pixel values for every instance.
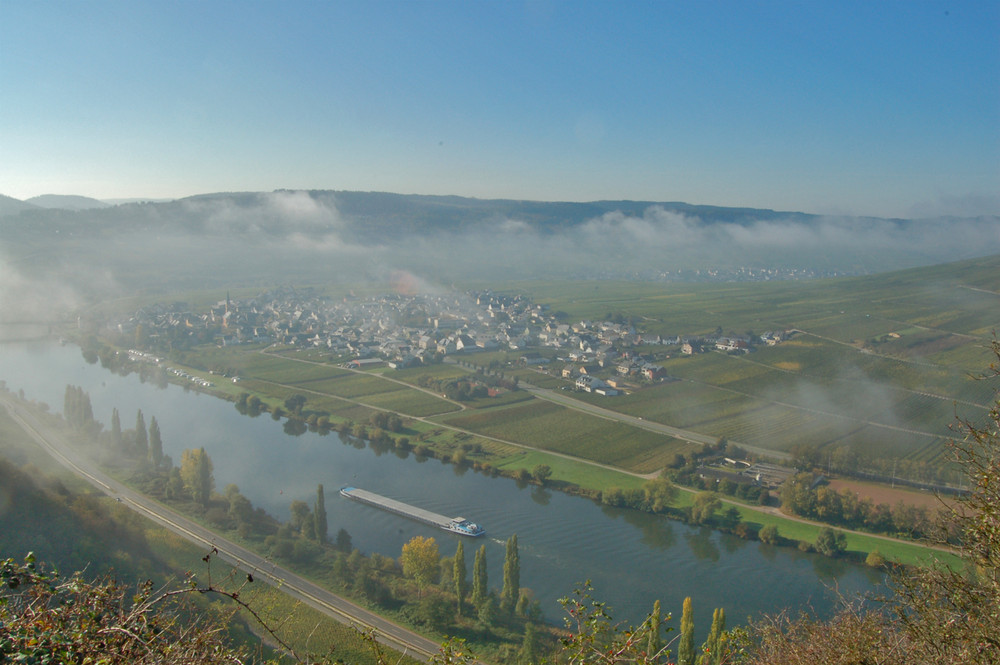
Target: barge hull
(406, 510)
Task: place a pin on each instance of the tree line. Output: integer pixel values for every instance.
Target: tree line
(803, 494)
(423, 587)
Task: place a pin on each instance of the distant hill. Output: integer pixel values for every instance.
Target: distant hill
(67, 202)
(316, 236)
(12, 206)
(115, 202)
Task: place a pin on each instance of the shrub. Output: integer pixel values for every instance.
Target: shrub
(875, 559)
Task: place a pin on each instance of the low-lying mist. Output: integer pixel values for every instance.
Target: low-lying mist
(58, 260)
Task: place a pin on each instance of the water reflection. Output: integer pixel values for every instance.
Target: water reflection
(540, 495)
(769, 552)
(731, 543)
(379, 446)
(829, 569)
(657, 531)
(294, 427)
(564, 539)
(702, 544)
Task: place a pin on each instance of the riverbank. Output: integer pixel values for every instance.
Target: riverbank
(564, 539)
(493, 455)
(166, 544)
(496, 455)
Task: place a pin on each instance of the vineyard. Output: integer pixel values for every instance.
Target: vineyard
(551, 427)
(881, 365)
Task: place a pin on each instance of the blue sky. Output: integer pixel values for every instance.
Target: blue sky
(881, 108)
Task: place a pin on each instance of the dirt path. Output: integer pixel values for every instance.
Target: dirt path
(610, 415)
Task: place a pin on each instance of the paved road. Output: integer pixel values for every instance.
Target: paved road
(390, 634)
(676, 432)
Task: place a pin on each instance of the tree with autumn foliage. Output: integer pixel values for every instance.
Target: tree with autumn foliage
(196, 472)
(421, 560)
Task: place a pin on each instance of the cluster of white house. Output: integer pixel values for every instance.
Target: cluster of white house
(407, 330)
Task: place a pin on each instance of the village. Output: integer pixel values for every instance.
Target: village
(403, 331)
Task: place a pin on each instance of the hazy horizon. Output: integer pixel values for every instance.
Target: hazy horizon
(885, 110)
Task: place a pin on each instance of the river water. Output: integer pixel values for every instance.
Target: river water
(631, 558)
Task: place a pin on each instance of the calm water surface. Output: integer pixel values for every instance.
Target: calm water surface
(631, 558)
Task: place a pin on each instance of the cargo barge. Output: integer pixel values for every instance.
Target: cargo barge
(459, 525)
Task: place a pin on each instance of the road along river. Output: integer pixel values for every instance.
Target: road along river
(631, 558)
(391, 634)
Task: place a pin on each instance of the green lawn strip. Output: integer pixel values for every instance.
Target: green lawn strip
(906, 553)
(249, 362)
(303, 627)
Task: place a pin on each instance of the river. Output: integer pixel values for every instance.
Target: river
(631, 558)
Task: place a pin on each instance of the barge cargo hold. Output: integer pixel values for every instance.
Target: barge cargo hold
(459, 525)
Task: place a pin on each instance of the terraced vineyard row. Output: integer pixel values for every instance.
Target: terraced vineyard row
(551, 427)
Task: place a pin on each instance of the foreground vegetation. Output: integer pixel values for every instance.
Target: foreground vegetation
(936, 615)
(66, 526)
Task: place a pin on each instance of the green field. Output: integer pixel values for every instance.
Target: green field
(881, 364)
(552, 427)
(571, 471)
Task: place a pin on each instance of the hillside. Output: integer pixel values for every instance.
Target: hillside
(878, 364)
(248, 239)
(63, 525)
(12, 206)
(868, 372)
(66, 202)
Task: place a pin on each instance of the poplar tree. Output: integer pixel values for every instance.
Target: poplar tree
(196, 473)
(88, 412)
(116, 429)
(685, 648)
(480, 580)
(155, 443)
(511, 576)
(302, 519)
(141, 440)
(76, 407)
(655, 641)
(459, 573)
(69, 404)
(319, 515)
(713, 646)
(529, 646)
